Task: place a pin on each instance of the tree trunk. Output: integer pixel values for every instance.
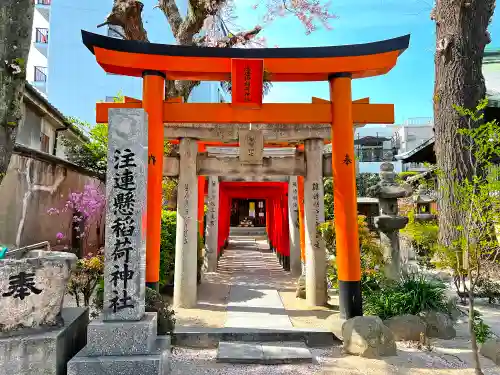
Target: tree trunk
(16, 21)
(461, 36)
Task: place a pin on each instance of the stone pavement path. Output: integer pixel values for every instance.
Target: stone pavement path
(254, 301)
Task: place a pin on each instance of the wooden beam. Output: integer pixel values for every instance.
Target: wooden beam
(361, 101)
(316, 100)
(274, 134)
(232, 168)
(285, 166)
(224, 113)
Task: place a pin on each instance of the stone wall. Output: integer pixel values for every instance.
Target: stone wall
(34, 183)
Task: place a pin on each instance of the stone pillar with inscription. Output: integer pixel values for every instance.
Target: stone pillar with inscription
(211, 236)
(124, 338)
(293, 224)
(186, 242)
(314, 215)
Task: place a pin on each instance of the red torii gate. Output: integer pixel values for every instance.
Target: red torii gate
(275, 194)
(245, 68)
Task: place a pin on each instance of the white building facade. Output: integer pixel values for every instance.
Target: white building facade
(375, 145)
(38, 58)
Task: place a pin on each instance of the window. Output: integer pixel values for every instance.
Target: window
(42, 2)
(42, 36)
(44, 143)
(40, 74)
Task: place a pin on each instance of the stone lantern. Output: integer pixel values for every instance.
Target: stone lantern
(423, 201)
(388, 223)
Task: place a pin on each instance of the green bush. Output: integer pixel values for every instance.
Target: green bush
(155, 302)
(481, 329)
(403, 176)
(412, 294)
(424, 239)
(487, 288)
(167, 247)
(371, 253)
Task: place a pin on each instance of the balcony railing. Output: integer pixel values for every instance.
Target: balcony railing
(42, 36)
(40, 74)
(42, 2)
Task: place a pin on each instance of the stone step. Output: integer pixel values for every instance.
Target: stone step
(201, 337)
(247, 231)
(267, 353)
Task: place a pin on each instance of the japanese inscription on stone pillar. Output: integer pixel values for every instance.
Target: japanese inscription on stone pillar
(185, 230)
(316, 205)
(125, 248)
(251, 146)
(295, 202)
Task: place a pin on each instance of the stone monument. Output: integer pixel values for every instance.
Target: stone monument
(389, 222)
(123, 340)
(37, 335)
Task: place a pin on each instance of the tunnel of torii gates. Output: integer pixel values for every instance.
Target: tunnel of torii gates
(248, 123)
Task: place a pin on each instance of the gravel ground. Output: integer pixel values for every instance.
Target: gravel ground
(202, 362)
(409, 361)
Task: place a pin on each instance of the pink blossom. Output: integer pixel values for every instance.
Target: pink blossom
(59, 236)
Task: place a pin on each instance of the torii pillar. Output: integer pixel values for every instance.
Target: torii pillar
(153, 96)
(344, 196)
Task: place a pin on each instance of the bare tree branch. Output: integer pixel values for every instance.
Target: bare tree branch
(198, 10)
(242, 37)
(171, 11)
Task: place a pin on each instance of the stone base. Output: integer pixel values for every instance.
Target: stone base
(122, 337)
(45, 353)
(123, 348)
(155, 363)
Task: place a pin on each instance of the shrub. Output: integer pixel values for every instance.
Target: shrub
(412, 294)
(481, 329)
(371, 251)
(424, 238)
(85, 277)
(155, 302)
(487, 288)
(167, 247)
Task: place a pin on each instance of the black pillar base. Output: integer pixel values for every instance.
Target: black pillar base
(153, 285)
(350, 299)
(280, 258)
(286, 262)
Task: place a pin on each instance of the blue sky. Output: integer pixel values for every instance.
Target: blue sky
(76, 82)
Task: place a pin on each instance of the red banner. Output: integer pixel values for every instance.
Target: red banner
(247, 78)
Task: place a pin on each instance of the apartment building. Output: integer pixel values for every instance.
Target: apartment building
(38, 58)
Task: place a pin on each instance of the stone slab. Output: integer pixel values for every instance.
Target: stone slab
(240, 352)
(155, 363)
(256, 308)
(286, 352)
(45, 353)
(126, 189)
(199, 337)
(122, 338)
(260, 353)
